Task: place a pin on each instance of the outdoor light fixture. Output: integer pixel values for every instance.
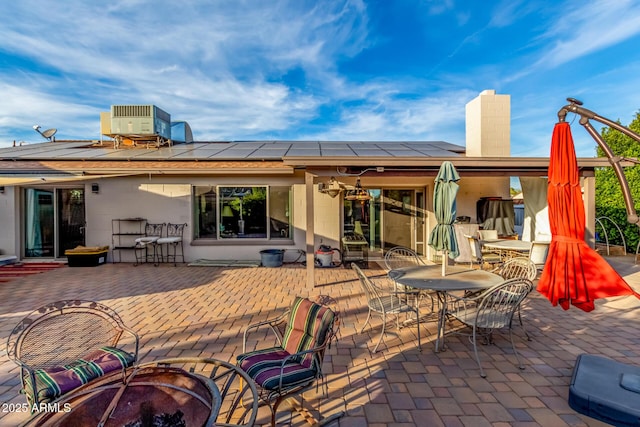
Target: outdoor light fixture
(332, 188)
(47, 134)
(358, 193)
(95, 188)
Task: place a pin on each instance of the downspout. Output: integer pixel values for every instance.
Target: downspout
(574, 106)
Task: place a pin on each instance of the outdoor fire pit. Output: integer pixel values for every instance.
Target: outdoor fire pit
(158, 396)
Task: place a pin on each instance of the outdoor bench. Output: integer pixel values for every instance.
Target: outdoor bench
(65, 344)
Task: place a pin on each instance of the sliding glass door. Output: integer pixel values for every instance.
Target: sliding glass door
(54, 221)
(403, 219)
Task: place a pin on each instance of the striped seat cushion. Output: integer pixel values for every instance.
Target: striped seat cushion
(264, 366)
(307, 327)
(52, 383)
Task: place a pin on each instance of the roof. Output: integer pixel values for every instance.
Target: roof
(232, 150)
(264, 157)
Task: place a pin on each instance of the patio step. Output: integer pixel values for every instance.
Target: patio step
(11, 271)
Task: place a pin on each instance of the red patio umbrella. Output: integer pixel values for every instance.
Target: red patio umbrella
(574, 273)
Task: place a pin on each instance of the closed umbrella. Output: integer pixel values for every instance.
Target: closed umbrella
(443, 236)
(574, 273)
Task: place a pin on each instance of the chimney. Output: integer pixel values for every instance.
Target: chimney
(488, 125)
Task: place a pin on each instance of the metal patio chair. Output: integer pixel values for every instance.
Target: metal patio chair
(65, 344)
(480, 258)
(401, 256)
(385, 302)
(538, 253)
(302, 335)
(174, 239)
(152, 233)
(489, 311)
(515, 268)
(488, 234)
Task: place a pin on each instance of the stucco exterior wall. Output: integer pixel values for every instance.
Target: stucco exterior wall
(473, 188)
(169, 200)
(9, 231)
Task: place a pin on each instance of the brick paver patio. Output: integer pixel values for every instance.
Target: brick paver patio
(201, 311)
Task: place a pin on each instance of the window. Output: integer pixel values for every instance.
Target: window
(258, 212)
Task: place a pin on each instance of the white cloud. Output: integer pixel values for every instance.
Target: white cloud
(226, 67)
(217, 64)
(581, 29)
(394, 118)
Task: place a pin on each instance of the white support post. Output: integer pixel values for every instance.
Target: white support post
(310, 236)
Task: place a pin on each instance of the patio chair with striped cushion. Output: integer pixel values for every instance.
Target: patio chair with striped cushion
(65, 344)
(294, 364)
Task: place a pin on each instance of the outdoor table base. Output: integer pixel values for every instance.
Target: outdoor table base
(457, 278)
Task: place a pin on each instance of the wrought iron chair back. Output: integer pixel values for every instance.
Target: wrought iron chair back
(384, 302)
(491, 310)
(480, 258)
(174, 239)
(400, 256)
(487, 234)
(152, 232)
(60, 334)
(518, 267)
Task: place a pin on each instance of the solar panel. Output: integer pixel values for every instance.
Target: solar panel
(244, 150)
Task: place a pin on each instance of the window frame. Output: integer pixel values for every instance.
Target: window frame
(219, 239)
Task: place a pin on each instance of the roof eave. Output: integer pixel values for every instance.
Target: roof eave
(461, 162)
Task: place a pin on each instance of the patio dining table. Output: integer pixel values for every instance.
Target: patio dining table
(507, 246)
(458, 278)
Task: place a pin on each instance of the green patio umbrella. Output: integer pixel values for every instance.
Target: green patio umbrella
(443, 236)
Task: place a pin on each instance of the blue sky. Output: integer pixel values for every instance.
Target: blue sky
(317, 70)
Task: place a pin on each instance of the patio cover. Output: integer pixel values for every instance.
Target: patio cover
(31, 179)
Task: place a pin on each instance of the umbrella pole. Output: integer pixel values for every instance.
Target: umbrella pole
(445, 253)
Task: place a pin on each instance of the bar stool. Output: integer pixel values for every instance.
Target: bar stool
(152, 233)
(173, 239)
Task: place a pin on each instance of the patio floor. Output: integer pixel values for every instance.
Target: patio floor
(201, 311)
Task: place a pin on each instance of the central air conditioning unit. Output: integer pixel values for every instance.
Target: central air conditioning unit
(140, 121)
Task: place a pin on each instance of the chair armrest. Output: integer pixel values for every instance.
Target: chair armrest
(456, 304)
(271, 323)
(300, 355)
(469, 297)
(136, 340)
